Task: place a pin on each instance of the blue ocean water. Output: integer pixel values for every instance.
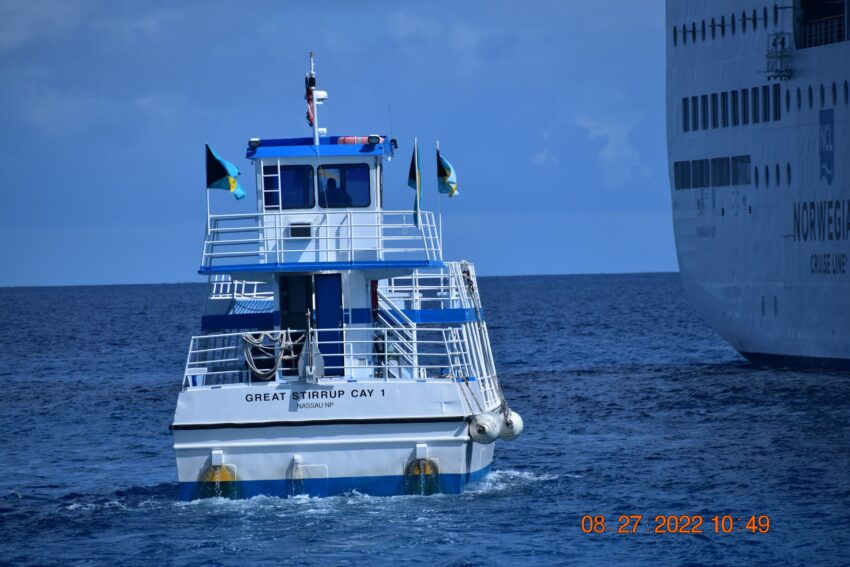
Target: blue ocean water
(632, 405)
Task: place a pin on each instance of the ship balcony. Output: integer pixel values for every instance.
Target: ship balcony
(307, 241)
(349, 353)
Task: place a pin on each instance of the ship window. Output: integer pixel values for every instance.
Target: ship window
(822, 97)
(766, 176)
(846, 93)
(704, 111)
(734, 108)
(288, 187)
(799, 100)
(732, 24)
(755, 91)
(724, 109)
(720, 172)
(694, 113)
(694, 31)
(834, 94)
(788, 173)
(675, 35)
(787, 100)
(778, 177)
(755, 20)
(740, 170)
(722, 26)
(703, 30)
(713, 28)
(764, 16)
(700, 173)
(684, 35)
(743, 22)
(777, 101)
(344, 185)
(810, 97)
(765, 103)
(715, 122)
(682, 174)
(686, 114)
(745, 106)
(756, 175)
(775, 15)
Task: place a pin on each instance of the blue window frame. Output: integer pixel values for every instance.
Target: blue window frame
(344, 185)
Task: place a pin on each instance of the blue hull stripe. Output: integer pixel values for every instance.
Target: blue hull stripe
(371, 485)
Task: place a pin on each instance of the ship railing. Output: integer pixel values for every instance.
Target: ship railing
(304, 236)
(351, 352)
(431, 288)
(824, 31)
(222, 286)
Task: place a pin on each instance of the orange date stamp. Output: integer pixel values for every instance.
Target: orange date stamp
(684, 524)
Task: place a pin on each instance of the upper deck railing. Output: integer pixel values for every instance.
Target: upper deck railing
(823, 31)
(275, 240)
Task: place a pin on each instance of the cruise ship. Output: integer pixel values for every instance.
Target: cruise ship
(758, 134)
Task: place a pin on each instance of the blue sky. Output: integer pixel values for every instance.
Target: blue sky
(551, 112)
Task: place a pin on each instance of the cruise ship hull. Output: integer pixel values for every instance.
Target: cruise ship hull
(758, 143)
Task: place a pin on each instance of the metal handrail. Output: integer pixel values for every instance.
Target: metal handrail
(333, 236)
(438, 353)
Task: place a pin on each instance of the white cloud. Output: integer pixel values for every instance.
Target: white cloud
(621, 161)
(546, 156)
(24, 22)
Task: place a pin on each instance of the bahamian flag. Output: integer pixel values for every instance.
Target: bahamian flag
(414, 180)
(221, 174)
(446, 178)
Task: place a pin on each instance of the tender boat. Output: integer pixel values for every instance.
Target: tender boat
(339, 352)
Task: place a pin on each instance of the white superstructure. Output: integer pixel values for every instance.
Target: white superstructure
(758, 134)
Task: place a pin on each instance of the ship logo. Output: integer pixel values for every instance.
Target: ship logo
(827, 145)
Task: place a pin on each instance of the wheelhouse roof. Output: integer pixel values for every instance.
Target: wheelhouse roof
(328, 146)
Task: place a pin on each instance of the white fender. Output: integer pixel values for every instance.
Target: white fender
(511, 425)
(485, 428)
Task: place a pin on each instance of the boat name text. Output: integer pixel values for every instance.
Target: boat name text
(358, 393)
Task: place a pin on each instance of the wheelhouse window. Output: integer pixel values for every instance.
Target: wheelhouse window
(344, 185)
(288, 187)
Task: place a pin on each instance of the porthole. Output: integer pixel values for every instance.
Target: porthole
(732, 24)
(799, 100)
(744, 22)
(834, 94)
(756, 175)
(675, 36)
(694, 31)
(787, 100)
(811, 97)
(755, 20)
(722, 26)
(788, 173)
(775, 15)
(684, 35)
(846, 93)
(822, 97)
(778, 178)
(713, 28)
(702, 26)
(766, 176)
(764, 16)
